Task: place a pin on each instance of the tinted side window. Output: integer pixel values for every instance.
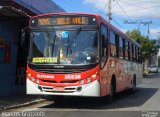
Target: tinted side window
(126, 49)
(113, 43)
(104, 43)
(112, 38)
(121, 48)
(133, 52)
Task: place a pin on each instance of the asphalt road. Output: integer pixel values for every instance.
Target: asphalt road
(145, 102)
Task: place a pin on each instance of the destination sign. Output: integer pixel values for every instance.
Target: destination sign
(64, 20)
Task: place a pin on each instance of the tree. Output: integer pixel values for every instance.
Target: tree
(149, 47)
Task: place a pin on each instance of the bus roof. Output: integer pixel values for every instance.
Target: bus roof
(65, 13)
(100, 20)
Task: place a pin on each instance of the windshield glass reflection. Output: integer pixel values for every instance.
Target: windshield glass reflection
(64, 47)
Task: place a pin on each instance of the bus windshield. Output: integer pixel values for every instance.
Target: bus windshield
(64, 47)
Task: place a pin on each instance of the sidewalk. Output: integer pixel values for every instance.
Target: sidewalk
(17, 101)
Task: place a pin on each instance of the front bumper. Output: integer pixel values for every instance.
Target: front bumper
(92, 89)
(153, 70)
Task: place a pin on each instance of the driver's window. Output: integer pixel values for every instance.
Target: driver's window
(104, 47)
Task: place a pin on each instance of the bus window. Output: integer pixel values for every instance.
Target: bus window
(117, 45)
(133, 52)
(104, 37)
(113, 44)
(140, 56)
(136, 53)
(112, 38)
(126, 50)
(121, 48)
(129, 51)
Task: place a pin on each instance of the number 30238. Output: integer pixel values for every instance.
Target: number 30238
(73, 77)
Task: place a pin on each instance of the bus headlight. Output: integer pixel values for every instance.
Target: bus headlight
(37, 81)
(88, 80)
(94, 76)
(29, 75)
(32, 78)
(82, 82)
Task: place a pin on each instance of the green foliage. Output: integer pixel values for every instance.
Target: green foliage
(149, 47)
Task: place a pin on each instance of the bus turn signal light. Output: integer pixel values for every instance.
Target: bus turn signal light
(90, 79)
(29, 75)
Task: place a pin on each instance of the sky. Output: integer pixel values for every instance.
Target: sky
(126, 15)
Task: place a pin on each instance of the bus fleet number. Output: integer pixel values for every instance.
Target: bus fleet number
(75, 77)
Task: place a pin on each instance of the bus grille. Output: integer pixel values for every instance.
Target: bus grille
(66, 89)
(53, 81)
(60, 71)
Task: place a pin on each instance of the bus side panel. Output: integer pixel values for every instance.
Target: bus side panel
(124, 72)
(113, 68)
(105, 81)
(120, 75)
(131, 69)
(138, 72)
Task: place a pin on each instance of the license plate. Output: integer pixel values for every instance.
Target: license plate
(58, 88)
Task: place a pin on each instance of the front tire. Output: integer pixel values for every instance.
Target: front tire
(109, 98)
(112, 90)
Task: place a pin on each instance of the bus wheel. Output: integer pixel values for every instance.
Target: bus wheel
(133, 89)
(112, 90)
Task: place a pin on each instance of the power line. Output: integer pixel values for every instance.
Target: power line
(102, 10)
(128, 16)
(135, 5)
(117, 23)
(91, 6)
(136, 20)
(123, 11)
(147, 1)
(72, 2)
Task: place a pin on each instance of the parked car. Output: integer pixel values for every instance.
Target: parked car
(152, 69)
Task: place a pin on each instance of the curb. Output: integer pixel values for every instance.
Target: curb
(23, 105)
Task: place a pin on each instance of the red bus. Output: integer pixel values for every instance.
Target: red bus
(77, 54)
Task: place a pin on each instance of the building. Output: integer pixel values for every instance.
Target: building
(155, 60)
(14, 16)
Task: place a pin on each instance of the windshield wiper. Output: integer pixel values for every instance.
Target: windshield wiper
(74, 39)
(76, 35)
(50, 37)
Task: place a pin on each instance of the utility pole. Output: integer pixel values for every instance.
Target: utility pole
(109, 11)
